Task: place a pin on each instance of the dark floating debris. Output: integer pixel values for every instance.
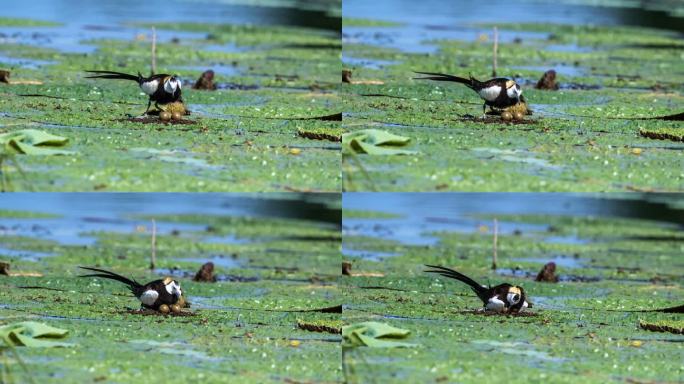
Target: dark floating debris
(496, 119)
(335, 309)
(548, 81)
(316, 134)
(347, 76)
(156, 120)
(333, 117)
(660, 328)
(675, 117)
(346, 268)
(678, 309)
(548, 273)
(314, 327)
(4, 76)
(660, 135)
(4, 268)
(152, 312)
(206, 273)
(237, 87)
(492, 313)
(237, 279)
(205, 81)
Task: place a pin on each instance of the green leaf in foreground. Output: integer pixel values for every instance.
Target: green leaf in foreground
(374, 142)
(33, 334)
(375, 335)
(33, 142)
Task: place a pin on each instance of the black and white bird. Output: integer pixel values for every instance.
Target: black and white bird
(501, 298)
(497, 93)
(161, 88)
(151, 295)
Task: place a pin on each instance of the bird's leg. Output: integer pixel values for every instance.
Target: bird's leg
(484, 111)
(149, 102)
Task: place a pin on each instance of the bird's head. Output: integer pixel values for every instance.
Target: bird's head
(172, 84)
(173, 287)
(513, 89)
(516, 298)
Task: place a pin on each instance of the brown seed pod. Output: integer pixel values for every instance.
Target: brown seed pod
(175, 308)
(164, 116)
(506, 116)
(164, 309)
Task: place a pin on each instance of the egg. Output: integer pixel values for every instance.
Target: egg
(517, 115)
(164, 308)
(164, 116)
(506, 116)
(175, 308)
(176, 115)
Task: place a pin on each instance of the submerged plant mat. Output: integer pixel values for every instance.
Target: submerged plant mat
(246, 330)
(241, 138)
(583, 331)
(584, 137)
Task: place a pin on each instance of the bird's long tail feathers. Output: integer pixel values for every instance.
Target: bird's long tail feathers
(112, 276)
(450, 273)
(113, 75)
(444, 77)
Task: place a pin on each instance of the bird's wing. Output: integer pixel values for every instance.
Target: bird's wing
(149, 297)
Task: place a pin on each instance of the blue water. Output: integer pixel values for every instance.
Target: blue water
(427, 20)
(423, 214)
(85, 20)
(81, 215)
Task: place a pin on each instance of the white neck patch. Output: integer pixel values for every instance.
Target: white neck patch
(173, 288)
(171, 85)
(514, 92)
